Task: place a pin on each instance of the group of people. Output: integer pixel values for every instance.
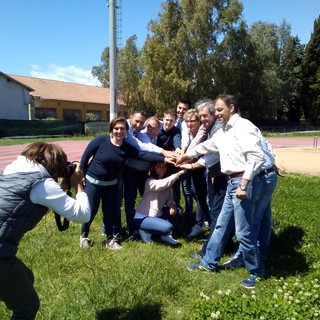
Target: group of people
(219, 160)
(213, 155)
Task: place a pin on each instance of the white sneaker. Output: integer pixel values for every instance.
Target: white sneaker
(145, 236)
(196, 230)
(85, 242)
(113, 244)
(169, 240)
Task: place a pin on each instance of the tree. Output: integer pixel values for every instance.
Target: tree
(311, 69)
(290, 72)
(129, 76)
(178, 55)
(239, 71)
(102, 72)
(278, 79)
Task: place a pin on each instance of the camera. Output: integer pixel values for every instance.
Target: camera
(69, 170)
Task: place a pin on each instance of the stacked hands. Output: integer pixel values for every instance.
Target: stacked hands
(178, 159)
(183, 162)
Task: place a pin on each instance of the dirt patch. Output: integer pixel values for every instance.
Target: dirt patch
(305, 160)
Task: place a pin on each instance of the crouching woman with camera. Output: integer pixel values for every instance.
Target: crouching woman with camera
(28, 187)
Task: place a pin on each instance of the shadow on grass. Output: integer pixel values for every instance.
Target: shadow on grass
(140, 312)
(284, 257)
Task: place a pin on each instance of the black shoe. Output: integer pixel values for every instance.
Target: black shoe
(196, 255)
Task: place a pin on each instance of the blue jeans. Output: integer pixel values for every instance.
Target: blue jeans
(186, 182)
(109, 196)
(218, 192)
(133, 181)
(262, 222)
(200, 191)
(237, 213)
(155, 225)
(263, 187)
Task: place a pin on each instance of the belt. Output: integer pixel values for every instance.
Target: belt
(235, 175)
(264, 172)
(101, 182)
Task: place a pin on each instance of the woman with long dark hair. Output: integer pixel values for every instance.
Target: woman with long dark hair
(157, 205)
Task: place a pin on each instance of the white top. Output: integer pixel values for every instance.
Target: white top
(157, 194)
(239, 146)
(48, 193)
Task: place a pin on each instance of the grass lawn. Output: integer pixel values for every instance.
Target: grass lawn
(151, 281)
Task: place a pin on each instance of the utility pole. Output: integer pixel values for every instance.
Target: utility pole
(113, 59)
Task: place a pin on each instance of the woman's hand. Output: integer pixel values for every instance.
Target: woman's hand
(173, 209)
(77, 179)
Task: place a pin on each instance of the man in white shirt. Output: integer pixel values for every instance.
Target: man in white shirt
(241, 157)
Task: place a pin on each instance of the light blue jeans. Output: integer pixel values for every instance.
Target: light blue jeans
(237, 213)
(263, 187)
(154, 225)
(262, 222)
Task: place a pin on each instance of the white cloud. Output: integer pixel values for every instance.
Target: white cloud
(68, 74)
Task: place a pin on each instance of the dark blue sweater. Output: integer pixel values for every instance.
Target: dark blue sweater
(108, 160)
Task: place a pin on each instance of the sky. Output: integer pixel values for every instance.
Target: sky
(64, 39)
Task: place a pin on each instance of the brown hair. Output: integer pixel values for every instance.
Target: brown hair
(228, 99)
(115, 120)
(153, 173)
(191, 113)
(49, 155)
(171, 112)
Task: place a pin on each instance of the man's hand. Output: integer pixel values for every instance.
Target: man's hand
(241, 194)
(171, 160)
(181, 159)
(242, 190)
(185, 166)
(167, 153)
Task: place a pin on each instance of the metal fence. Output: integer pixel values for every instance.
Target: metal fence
(29, 128)
(289, 129)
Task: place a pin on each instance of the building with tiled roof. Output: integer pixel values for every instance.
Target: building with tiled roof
(15, 99)
(66, 101)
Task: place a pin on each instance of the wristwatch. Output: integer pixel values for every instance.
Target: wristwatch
(242, 187)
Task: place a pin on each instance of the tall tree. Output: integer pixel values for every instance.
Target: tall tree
(290, 72)
(102, 72)
(311, 70)
(264, 37)
(129, 75)
(238, 70)
(178, 55)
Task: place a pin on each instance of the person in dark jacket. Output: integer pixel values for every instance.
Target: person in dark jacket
(22, 206)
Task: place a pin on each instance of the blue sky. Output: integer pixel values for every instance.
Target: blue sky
(63, 39)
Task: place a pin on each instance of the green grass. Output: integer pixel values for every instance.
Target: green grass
(151, 281)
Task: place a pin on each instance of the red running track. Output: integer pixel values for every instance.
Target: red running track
(74, 149)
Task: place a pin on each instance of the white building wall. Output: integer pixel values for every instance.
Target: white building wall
(14, 100)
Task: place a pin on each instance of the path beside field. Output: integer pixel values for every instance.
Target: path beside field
(293, 154)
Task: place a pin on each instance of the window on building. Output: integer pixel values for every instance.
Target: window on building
(71, 115)
(45, 113)
(93, 115)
